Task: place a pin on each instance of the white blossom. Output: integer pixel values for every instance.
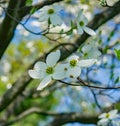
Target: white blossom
(73, 66)
(90, 50)
(82, 21)
(106, 118)
(46, 71)
(51, 13)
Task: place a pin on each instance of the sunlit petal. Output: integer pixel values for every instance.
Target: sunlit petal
(73, 57)
(79, 14)
(87, 62)
(44, 83)
(103, 115)
(36, 74)
(43, 17)
(89, 31)
(79, 29)
(73, 72)
(56, 20)
(60, 72)
(40, 65)
(52, 58)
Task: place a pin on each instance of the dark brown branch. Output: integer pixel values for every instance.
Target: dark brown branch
(18, 11)
(74, 117)
(8, 25)
(60, 118)
(82, 83)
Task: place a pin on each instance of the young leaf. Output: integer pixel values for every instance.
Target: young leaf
(117, 52)
(29, 2)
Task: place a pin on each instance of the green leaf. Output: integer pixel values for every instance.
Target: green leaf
(69, 32)
(73, 26)
(29, 2)
(33, 10)
(117, 106)
(61, 31)
(103, 3)
(111, 75)
(117, 80)
(117, 52)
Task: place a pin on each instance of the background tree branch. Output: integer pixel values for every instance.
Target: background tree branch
(15, 12)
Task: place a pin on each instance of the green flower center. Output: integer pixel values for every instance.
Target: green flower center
(50, 70)
(50, 11)
(73, 63)
(71, 76)
(65, 69)
(85, 54)
(81, 23)
(107, 115)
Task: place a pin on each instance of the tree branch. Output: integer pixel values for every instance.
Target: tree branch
(61, 118)
(8, 25)
(18, 11)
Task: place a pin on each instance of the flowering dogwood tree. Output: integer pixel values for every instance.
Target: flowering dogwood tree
(60, 62)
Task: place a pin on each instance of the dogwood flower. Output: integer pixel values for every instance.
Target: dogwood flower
(106, 118)
(91, 50)
(82, 21)
(51, 13)
(73, 66)
(48, 71)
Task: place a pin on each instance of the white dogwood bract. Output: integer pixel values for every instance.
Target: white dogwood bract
(82, 21)
(51, 70)
(90, 50)
(51, 13)
(106, 118)
(46, 71)
(72, 68)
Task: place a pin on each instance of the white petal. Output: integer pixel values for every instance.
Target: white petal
(60, 72)
(52, 58)
(79, 29)
(44, 83)
(57, 8)
(79, 14)
(113, 112)
(87, 62)
(40, 65)
(103, 115)
(94, 53)
(36, 74)
(103, 121)
(84, 19)
(55, 19)
(86, 48)
(43, 17)
(89, 31)
(73, 57)
(73, 72)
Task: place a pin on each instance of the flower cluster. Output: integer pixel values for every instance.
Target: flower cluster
(52, 15)
(82, 21)
(51, 70)
(108, 118)
(90, 50)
